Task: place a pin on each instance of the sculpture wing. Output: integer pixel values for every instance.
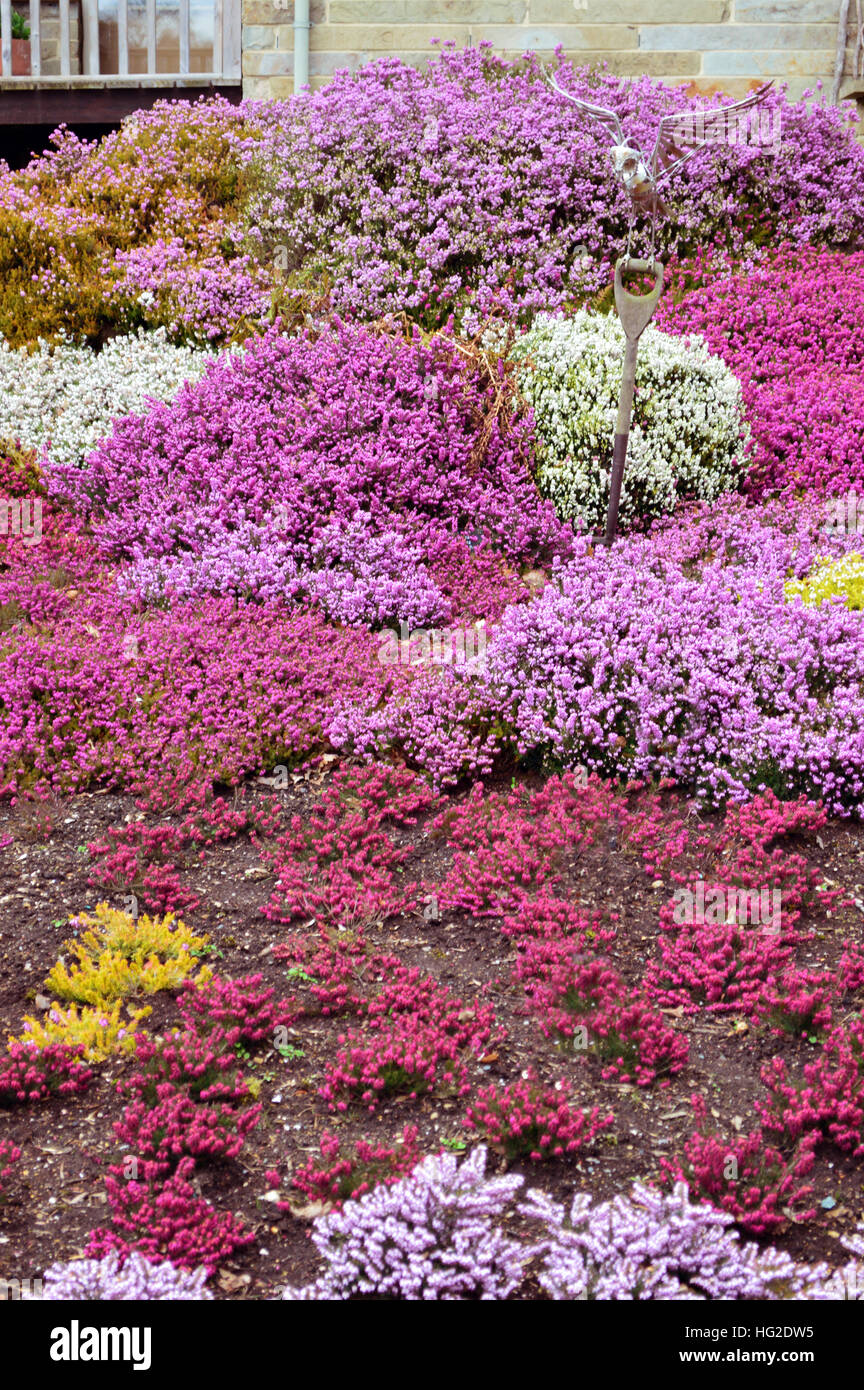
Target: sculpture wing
(683, 133)
(608, 119)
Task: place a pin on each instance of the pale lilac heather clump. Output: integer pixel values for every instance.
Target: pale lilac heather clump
(658, 1246)
(434, 1235)
(112, 1279)
(846, 1284)
(9, 1154)
(675, 654)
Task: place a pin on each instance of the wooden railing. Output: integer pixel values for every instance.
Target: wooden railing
(80, 62)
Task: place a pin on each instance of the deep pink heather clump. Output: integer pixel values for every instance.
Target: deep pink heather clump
(28, 1073)
(415, 1036)
(530, 1119)
(9, 1154)
(745, 1176)
(792, 330)
(242, 1011)
(828, 1099)
(168, 1221)
(740, 959)
(340, 865)
(97, 687)
(174, 1127)
(342, 1174)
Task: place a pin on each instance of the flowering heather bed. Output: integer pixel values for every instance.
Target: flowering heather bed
(474, 183)
(468, 185)
(522, 1021)
(397, 490)
(676, 654)
(532, 972)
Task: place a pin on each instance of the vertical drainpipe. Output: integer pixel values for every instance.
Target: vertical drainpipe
(301, 43)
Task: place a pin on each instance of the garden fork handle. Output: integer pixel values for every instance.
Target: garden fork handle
(634, 311)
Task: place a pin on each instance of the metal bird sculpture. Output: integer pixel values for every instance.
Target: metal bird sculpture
(680, 135)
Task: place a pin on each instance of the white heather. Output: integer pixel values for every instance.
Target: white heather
(63, 399)
(689, 435)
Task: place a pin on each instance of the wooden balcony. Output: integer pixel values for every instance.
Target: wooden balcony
(97, 60)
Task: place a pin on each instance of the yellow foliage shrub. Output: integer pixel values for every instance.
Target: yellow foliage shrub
(102, 1031)
(843, 578)
(119, 955)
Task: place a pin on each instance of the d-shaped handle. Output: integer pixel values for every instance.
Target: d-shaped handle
(635, 310)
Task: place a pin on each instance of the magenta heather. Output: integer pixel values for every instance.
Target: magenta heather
(167, 1220)
(790, 328)
(530, 1119)
(28, 1073)
(336, 468)
(369, 1165)
(9, 1154)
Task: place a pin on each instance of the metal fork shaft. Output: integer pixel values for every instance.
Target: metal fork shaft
(622, 436)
